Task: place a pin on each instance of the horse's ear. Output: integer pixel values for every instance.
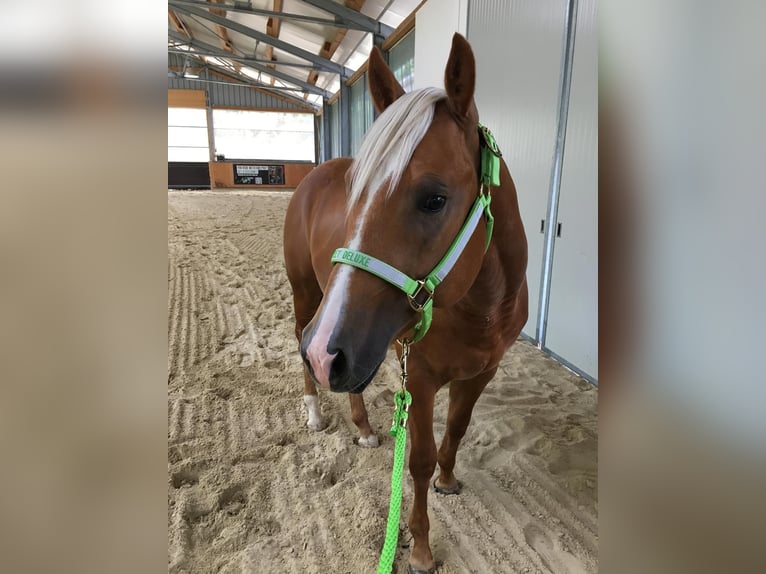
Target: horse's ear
(460, 75)
(384, 87)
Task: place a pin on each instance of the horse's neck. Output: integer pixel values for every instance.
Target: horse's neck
(510, 240)
(504, 268)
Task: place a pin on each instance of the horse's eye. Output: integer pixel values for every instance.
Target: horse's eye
(433, 203)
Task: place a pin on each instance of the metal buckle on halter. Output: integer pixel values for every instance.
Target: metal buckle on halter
(489, 141)
(414, 302)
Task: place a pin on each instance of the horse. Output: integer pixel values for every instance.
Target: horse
(402, 201)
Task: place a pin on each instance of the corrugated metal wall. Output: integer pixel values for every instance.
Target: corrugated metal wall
(232, 95)
(519, 49)
(229, 95)
(361, 107)
(401, 59)
(361, 112)
(226, 95)
(335, 129)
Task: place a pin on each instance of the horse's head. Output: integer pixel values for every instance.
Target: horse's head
(410, 189)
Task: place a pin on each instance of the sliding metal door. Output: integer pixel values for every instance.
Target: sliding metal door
(519, 46)
(572, 329)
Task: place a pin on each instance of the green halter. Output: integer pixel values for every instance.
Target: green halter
(421, 292)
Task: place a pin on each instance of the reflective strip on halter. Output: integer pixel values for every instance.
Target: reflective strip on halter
(453, 253)
(376, 267)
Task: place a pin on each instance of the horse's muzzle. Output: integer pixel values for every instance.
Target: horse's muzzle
(339, 368)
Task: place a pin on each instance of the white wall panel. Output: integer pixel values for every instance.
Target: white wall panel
(435, 23)
(573, 309)
(518, 46)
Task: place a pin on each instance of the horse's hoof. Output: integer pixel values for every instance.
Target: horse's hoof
(316, 425)
(369, 442)
(453, 490)
(411, 570)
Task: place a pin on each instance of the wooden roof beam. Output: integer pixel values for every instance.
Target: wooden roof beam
(270, 57)
(273, 24)
(178, 24)
(329, 48)
(223, 33)
(323, 63)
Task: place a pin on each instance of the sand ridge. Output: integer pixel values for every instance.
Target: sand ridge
(250, 489)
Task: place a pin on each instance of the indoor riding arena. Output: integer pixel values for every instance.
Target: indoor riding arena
(259, 95)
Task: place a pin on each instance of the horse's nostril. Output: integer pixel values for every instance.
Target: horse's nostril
(339, 366)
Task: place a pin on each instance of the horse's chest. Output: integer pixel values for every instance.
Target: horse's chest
(469, 348)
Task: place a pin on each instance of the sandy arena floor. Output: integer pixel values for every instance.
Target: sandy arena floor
(250, 489)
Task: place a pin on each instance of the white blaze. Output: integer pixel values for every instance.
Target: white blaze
(317, 354)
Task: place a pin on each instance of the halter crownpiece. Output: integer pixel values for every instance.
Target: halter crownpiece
(421, 292)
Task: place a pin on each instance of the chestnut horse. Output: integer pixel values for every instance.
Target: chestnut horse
(403, 200)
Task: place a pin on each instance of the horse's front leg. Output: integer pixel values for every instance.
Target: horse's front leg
(310, 398)
(462, 398)
(367, 438)
(306, 299)
(422, 465)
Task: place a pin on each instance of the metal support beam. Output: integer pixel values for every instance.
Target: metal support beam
(334, 21)
(241, 59)
(377, 40)
(345, 120)
(210, 134)
(208, 49)
(352, 16)
(318, 139)
(558, 162)
(323, 63)
(327, 131)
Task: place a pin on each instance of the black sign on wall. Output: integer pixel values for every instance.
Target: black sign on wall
(188, 175)
(259, 174)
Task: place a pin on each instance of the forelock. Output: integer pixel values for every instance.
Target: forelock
(388, 146)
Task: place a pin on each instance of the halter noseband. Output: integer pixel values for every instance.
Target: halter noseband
(421, 292)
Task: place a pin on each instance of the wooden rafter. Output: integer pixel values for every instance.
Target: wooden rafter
(178, 24)
(182, 29)
(223, 33)
(329, 48)
(273, 26)
(223, 36)
(270, 56)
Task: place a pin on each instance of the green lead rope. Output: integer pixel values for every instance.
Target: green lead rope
(490, 177)
(403, 400)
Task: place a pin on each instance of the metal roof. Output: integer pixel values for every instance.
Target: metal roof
(297, 48)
